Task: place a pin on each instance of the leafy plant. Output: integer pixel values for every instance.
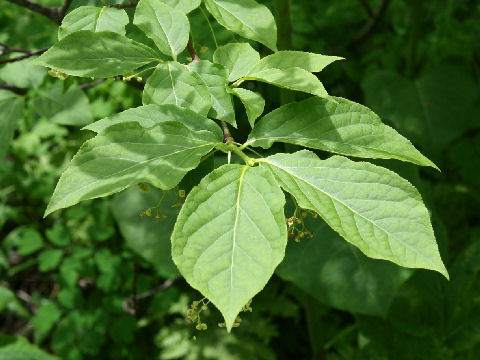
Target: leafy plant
(231, 232)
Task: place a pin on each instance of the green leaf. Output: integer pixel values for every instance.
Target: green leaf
(287, 59)
(167, 27)
(94, 19)
(230, 236)
(338, 274)
(174, 83)
(371, 207)
(238, 58)
(66, 108)
(150, 115)
(215, 77)
(9, 302)
(11, 111)
(254, 103)
(293, 78)
(45, 318)
(185, 6)
(29, 241)
(49, 259)
(247, 18)
(96, 54)
(148, 236)
(126, 154)
(22, 74)
(336, 125)
(21, 349)
(58, 235)
(418, 107)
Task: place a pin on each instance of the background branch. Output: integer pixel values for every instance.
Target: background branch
(17, 90)
(367, 8)
(367, 29)
(28, 53)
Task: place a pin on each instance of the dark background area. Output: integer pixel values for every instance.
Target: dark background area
(95, 281)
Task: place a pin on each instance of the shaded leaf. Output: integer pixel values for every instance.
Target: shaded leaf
(254, 103)
(418, 108)
(66, 108)
(230, 235)
(11, 111)
(148, 236)
(339, 275)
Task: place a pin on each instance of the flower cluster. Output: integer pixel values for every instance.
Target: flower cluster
(296, 226)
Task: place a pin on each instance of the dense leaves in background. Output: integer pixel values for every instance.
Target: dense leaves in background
(68, 282)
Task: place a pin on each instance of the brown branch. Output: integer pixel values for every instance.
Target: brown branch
(123, 6)
(28, 53)
(367, 8)
(367, 29)
(192, 52)
(127, 305)
(13, 88)
(91, 84)
(227, 137)
(9, 50)
(56, 14)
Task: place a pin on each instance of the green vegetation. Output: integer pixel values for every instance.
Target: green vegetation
(186, 179)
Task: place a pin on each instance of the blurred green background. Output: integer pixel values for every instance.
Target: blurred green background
(96, 281)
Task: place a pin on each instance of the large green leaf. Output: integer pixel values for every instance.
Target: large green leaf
(215, 77)
(230, 236)
(11, 110)
(238, 58)
(371, 207)
(174, 83)
(254, 103)
(167, 27)
(148, 236)
(432, 110)
(94, 19)
(185, 6)
(247, 18)
(150, 115)
(125, 154)
(292, 78)
(67, 108)
(286, 59)
(338, 274)
(96, 54)
(336, 125)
